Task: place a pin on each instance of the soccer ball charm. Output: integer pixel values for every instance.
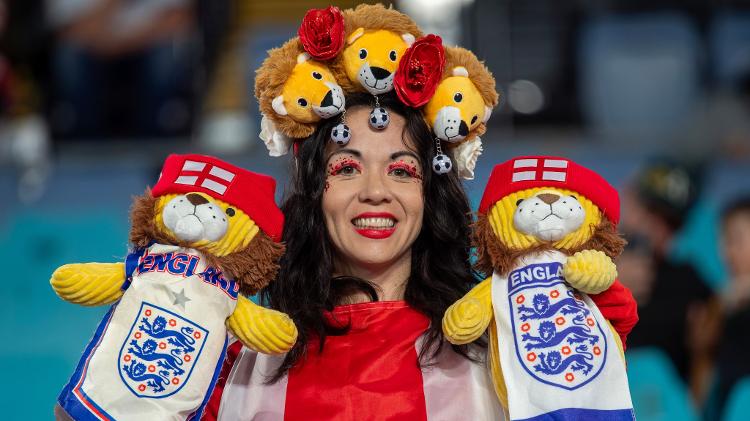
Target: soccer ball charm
(379, 118)
(441, 164)
(341, 134)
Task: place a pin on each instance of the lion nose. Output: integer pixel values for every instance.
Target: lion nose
(379, 72)
(548, 198)
(196, 199)
(463, 129)
(327, 100)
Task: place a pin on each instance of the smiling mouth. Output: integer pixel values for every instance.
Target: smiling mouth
(375, 227)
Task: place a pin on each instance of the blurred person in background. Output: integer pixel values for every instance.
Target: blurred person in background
(732, 363)
(677, 309)
(121, 63)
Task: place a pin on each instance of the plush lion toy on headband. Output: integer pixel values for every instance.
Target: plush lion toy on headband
(547, 233)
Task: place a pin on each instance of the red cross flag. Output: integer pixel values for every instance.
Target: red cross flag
(250, 192)
(527, 172)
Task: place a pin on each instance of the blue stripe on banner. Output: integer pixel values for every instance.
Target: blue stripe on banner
(131, 262)
(199, 413)
(67, 399)
(577, 414)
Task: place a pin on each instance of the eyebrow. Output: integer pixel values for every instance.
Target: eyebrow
(399, 154)
(354, 152)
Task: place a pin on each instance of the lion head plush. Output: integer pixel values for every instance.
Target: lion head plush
(464, 99)
(546, 231)
(376, 38)
(207, 233)
(295, 91)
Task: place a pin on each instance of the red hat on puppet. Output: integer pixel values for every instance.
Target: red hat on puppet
(250, 192)
(527, 172)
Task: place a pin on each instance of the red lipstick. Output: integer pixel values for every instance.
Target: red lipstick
(375, 233)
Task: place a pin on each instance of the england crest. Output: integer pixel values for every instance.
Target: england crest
(558, 340)
(159, 353)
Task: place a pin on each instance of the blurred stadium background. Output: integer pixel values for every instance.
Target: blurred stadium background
(654, 95)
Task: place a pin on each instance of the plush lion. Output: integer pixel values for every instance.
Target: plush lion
(376, 38)
(204, 236)
(547, 232)
(295, 92)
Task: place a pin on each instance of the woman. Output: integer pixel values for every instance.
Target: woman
(377, 249)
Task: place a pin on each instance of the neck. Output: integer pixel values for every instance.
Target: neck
(389, 278)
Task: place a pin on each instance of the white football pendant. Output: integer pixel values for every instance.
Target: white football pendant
(340, 134)
(379, 118)
(441, 164)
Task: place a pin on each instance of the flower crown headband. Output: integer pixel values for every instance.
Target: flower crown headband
(374, 49)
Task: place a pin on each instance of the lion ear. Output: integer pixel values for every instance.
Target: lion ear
(408, 38)
(354, 35)
(278, 105)
(302, 57)
(460, 71)
(487, 114)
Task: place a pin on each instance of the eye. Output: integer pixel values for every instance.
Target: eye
(518, 202)
(317, 75)
(473, 119)
(230, 211)
(302, 102)
(392, 55)
(362, 53)
(347, 170)
(458, 97)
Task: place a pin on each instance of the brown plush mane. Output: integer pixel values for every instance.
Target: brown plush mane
(252, 267)
(269, 82)
(478, 72)
(492, 255)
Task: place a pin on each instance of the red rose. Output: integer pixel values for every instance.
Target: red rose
(322, 32)
(420, 71)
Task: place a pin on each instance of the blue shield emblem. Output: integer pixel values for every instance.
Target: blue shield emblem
(160, 351)
(557, 338)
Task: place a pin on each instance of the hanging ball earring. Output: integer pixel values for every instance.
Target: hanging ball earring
(340, 134)
(441, 164)
(379, 118)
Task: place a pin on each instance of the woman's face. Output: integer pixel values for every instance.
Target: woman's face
(372, 201)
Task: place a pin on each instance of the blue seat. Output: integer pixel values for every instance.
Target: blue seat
(738, 403)
(657, 391)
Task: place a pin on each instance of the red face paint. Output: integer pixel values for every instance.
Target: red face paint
(403, 169)
(343, 166)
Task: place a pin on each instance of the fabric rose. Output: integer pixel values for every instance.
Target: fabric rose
(276, 143)
(466, 154)
(420, 71)
(322, 32)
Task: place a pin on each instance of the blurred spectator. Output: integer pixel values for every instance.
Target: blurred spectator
(675, 306)
(121, 63)
(732, 363)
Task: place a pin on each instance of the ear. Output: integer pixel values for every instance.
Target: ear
(354, 35)
(460, 71)
(408, 38)
(487, 114)
(302, 57)
(278, 105)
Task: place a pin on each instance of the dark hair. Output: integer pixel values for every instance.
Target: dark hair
(741, 205)
(440, 269)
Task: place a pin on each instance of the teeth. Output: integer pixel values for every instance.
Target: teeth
(374, 222)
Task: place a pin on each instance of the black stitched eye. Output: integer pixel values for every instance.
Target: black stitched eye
(362, 53)
(392, 55)
(518, 202)
(473, 119)
(230, 211)
(302, 102)
(573, 197)
(317, 75)
(458, 97)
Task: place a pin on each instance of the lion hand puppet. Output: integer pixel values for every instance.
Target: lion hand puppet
(203, 238)
(546, 231)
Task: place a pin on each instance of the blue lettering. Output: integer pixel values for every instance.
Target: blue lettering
(178, 264)
(161, 260)
(191, 265)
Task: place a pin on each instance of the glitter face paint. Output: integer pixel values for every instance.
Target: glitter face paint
(341, 163)
(410, 169)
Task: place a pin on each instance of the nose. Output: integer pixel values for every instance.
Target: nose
(327, 100)
(463, 129)
(196, 199)
(379, 72)
(374, 190)
(548, 198)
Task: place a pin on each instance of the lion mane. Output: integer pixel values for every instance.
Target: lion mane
(252, 267)
(492, 254)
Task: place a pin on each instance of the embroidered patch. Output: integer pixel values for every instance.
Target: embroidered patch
(159, 353)
(557, 338)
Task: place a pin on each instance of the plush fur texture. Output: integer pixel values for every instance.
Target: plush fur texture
(252, 267)
(492, 254)
(478, 72)
(269, 83)
(370, 16)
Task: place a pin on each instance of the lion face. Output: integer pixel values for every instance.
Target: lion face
(457, 108)
(310, 93)
(547, 330)
(371, 58)
(541, 303)
(205, 222)
(539, 215)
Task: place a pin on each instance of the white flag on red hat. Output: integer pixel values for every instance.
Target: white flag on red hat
(203, 174)
(534, 169)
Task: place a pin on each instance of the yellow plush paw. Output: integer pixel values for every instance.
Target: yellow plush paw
(89, 284)
(262, 329)
(590, 271)
(466, 320)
